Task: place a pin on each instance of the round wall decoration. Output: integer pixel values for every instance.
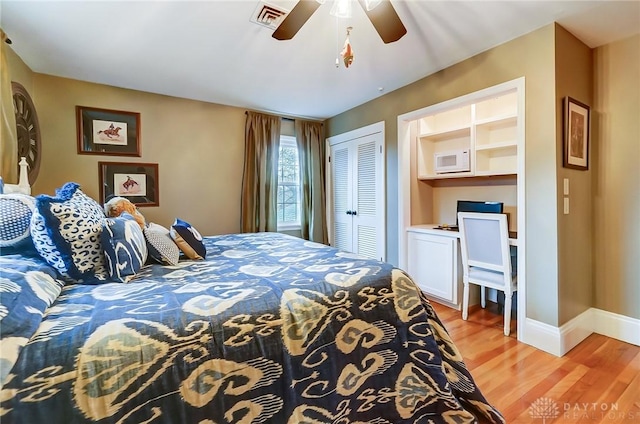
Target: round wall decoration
(28, 129)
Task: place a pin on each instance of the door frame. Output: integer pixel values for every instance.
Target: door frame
(376, 128)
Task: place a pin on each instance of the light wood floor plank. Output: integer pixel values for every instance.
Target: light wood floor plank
(600, 373)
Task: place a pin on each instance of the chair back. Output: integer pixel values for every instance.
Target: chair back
(484, 242)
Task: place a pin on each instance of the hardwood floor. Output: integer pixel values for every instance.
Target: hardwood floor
(598, 381)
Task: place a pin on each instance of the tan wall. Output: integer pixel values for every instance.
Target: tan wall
(616, 177)
(532, 56)
(574, 78)
(446, 194)
(199, 148)
(20, 72)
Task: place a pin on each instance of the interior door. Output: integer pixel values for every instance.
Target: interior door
(364, 205)
(342, 188)
(357, 193)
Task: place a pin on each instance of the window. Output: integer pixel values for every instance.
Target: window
(288, 185)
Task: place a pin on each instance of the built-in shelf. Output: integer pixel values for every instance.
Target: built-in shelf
(488, 129)
(443, 135)
(495, 146)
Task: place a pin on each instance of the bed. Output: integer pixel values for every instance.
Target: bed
(268, 328)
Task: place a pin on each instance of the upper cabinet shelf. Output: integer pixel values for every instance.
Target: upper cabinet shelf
(450, 120)
(448, 134)
(495, 107)
(488, 128)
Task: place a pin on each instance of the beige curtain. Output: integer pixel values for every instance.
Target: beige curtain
(8, 136)
(311, 151)
(260, 177)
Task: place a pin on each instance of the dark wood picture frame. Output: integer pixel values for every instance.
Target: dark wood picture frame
(108, 132)
(577, 134)
(137, 182)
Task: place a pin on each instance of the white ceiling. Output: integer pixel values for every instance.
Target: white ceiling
(210, 51)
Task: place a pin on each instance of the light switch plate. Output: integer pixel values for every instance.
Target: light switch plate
(566, 206)
(566, 186)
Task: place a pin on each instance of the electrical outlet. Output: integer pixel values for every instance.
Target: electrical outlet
(566, 206)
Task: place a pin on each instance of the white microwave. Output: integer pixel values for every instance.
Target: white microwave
(452, 161)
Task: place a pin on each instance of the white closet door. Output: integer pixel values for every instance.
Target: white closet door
(342, 222)
(357, 172)
(365, 230)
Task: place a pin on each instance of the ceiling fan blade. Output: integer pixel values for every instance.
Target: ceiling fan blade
(386, 21)
(295, 19)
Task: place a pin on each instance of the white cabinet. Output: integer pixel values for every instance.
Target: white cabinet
(488, 128)
(434, 264)
(358, 196)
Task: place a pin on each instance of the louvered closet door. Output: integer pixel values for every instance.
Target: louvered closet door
(342, 222)
(358, 196)
(365, 232)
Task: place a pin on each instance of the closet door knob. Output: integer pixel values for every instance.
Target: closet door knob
(354, 213)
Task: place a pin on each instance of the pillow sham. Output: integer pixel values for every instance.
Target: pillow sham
(188, 239)
(15, 222)
(66, 232)
(161, 247)
(125, 248)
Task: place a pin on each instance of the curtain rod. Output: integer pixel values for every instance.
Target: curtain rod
(288, 118)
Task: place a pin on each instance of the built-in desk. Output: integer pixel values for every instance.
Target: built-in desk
(431, 229)
(434, 261)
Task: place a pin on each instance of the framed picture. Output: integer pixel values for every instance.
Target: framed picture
(576, 134)
(137, 182)
(108, 132)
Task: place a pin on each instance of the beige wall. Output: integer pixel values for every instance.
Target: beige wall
(532, 56)
(574, 78)
(616, 177)
(199, 148)
(20, 72)
(446, 193)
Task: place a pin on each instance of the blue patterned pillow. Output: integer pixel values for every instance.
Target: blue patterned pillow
(188, 239)
(66, 233)
(15, 222)
(125, 248)
(161, 247)
(28, 286)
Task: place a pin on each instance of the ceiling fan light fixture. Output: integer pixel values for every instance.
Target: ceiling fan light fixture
(341, 9)
(371, 4)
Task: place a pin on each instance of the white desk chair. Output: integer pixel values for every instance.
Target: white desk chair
(486, 260)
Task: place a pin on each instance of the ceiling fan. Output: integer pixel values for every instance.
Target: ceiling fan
(380, 12)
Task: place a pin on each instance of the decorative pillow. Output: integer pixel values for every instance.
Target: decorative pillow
(125, 248)
(15, 222)
(188, 239)
(66, 233)
(28, 286)
(161, 247)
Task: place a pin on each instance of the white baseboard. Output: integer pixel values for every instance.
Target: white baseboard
(616, 326)
(560, 340)
(542, 336)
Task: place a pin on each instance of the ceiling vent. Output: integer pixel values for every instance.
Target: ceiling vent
(268, 15)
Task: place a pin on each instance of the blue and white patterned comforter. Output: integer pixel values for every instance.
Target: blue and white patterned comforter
(268, 329)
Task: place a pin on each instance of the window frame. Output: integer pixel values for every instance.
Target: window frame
(290, 141)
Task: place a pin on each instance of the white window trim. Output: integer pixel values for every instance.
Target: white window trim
(289, 141)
